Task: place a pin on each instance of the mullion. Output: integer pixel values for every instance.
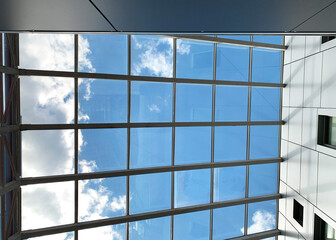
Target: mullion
(128, 131)
(76, 130)
(173, 142)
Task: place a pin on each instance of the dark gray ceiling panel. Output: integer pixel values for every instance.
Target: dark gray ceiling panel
(51, 15)
(209, 16)
(325, 21)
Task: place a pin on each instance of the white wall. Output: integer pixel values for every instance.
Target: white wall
(308, 173)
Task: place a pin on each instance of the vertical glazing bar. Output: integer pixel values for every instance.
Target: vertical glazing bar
(128, 129)
(2, 163)
(248, 139)
(76, 131)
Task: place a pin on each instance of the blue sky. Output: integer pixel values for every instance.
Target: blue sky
(104, 101)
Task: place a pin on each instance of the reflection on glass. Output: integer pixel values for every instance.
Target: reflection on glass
(192, 145)
(229, 183)
(192, 187)
(193, 103)
(150, 192)
(107, 53)
(266, 65)
(231, 103)
(108, 232)
(264, 141)
(332, 131)
(46, 100)
(232, 63)
(48, 204)
(263, 179)
(194, 59)
(48, 152)
(150, 147)
(192, 226)
(230, 143)
(228, 222)
(102, 101)
(156, 228)
(151, 102)
(101, 198)
(261, 216)
(265, 104)
(268, 39)
(104, 150)
(152, 56)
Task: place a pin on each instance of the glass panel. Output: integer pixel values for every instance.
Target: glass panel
(264, 141)
(101, 198)
(102, 101)
(64, 236)
(157, 228)
(266, 65)
(47, 51)
(236, 37)
(152, 56)
(231, 103)
(228, 222)
(265, 104)
(108, 232)
(261, 216)
(194, 59)
(102, 53)
(151, 102)
(192, 187)
(192, 226)
(268, 39)
(104, 149)
(332, 131)
(193, 103)
(150, 192)
(47, 100)
(229, 183)
(232, 63)
(47, 153)
(230, 143)
(192, 145)
(263, 179)
(150, 147)
(46, 205)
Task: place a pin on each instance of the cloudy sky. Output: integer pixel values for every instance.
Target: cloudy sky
(51, 100)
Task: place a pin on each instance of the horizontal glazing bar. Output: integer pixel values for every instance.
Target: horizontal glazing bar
(9, 128)
(257, 236)
(129, 172)
(31, 72)
(9, 70)
(142, 216)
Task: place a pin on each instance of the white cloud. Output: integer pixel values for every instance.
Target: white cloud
(118, 203)
(154, 108)
(262, 221)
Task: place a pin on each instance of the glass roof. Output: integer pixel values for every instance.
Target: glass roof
(171, 151)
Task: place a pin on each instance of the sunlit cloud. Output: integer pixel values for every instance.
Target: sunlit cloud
(262, 221)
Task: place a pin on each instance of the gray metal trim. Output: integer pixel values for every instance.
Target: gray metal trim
(9, 187)
(9, 70)
(257, 236)
(4, 129)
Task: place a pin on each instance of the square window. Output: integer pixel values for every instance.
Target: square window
(298, 212)
(261, 216)
(156, 228)
(327, 131)
(264, 142)
(263, 179)
(322, 230)
(265, 104)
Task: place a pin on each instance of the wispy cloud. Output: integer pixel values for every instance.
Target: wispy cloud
(262, 221)
(154, 108)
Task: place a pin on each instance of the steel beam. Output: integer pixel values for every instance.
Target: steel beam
(143, 216)
(261, 235)
(9, 187)
(4, 129)
(9, 70)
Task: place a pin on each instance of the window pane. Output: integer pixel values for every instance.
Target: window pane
(266, 65)
(150, 147)
(231, 103)
(65, 236)
(107, 53)
(152, 56)
(265, 104)
(150, 192)
(263, 179)
(108, 232)
(268, 39)
(49, 152)
(47, 205)
(236, 37)
(151, 102)
(192, 187)
(229, 183)
(102, 101)
(264, 142)
(104, 150)
(194, 59)
(261, 216)
(192, 145)
(228, 222)
(101, 198)
(193, 103)
(47, 100)
(157, 228)
(192, 226)
(332, 131)
(232, 63)
(230, 143)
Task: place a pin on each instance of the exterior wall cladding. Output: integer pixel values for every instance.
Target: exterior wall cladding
(308, 173)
